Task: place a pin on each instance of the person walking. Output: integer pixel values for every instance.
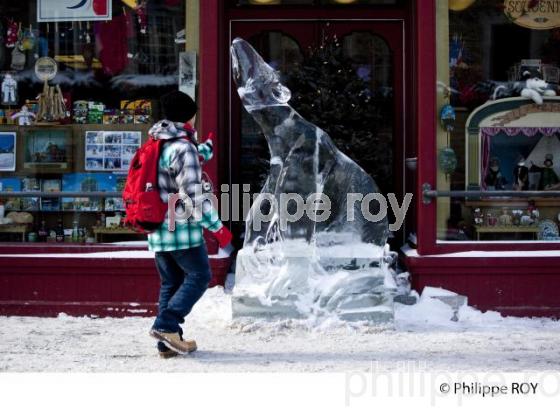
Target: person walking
(180, 252)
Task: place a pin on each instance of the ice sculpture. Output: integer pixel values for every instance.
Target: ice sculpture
(305, 267)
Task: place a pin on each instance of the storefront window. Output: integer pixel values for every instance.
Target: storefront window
(499, 119)
(312, 2)
(77, 100)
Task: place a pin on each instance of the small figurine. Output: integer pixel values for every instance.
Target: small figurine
(24, 117)
(521, 175)
(478, 217)
(505, 218)
(494, 179)
(548, 177)
(491, 219)
(526, 219)
(516, 213)
(9, 90)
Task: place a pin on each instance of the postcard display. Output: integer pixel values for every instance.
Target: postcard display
(65, 158)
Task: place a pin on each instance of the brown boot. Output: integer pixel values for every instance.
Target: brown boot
(174, 341)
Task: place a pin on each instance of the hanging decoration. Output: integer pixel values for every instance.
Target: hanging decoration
(447, 158)
(447, 117)
(18, 57)
(142, 16)
(12, 34)
(28, 39)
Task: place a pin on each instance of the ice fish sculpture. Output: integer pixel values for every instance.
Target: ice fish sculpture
(305, 265)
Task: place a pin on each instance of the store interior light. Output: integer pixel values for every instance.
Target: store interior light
(460, 5)
(265, 2)
(130, 3)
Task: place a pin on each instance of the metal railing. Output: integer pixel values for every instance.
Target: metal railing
(428, 194)
(35, 194)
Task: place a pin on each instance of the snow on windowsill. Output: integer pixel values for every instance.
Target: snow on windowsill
(104, 255)
(413, 253)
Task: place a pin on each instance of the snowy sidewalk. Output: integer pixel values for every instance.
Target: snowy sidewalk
(422, 337)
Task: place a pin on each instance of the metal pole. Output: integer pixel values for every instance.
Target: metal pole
(60, 194)
(429, 194)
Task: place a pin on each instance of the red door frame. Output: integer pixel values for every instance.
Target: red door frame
(422, 123)
(377, 15)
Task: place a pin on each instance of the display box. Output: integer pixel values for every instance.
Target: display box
(47, 148)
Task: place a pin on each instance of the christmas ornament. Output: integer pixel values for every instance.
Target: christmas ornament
(447, 160)
(12, 34)
(447, 117)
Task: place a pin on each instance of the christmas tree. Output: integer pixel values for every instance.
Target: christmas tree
(329, 90)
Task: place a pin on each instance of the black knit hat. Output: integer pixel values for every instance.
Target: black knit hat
(178, 106)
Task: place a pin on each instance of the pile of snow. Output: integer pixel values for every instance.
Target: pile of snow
(432, 313)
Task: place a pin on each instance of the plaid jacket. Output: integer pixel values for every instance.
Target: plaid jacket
(180, 172)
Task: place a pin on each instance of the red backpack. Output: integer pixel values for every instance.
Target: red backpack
(145, 211)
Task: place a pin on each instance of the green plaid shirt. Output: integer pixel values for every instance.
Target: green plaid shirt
(179, 171)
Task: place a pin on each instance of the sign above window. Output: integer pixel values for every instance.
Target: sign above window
(536, 14)
(73, 10)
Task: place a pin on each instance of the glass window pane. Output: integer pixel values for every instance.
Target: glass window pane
(312, 2)
(498, 74)
(91, 118)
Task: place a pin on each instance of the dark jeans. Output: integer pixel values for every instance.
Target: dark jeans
(184, 275)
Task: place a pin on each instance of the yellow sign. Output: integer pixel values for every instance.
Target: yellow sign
(534, 14)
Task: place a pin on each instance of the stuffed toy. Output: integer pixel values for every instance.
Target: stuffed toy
(24, 117)
(536, 88)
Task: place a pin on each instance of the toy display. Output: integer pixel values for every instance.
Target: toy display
(494, 179)
(536, 88)
(521, 175)
(549, 178)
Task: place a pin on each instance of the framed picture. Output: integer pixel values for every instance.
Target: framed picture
(7, 151)
(48, 149)
(110, 150)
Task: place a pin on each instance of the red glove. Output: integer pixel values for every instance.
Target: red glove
(224, 236)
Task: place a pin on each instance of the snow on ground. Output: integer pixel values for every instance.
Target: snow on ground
(422, 336)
